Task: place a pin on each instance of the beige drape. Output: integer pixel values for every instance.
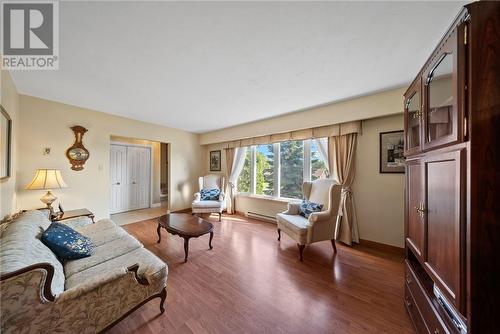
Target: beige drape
(229, 185)
(341, 157)
(311, 133)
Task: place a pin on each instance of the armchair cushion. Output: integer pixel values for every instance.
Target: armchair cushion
(209, 194)
(67, 243)
(207, 204)
(308, 207)
(293, 225)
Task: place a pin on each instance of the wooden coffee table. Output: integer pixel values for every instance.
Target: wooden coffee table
(185, 226)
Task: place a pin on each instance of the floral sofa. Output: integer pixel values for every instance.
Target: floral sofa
(40, 294)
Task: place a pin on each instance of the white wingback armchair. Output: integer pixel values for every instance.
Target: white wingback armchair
(320, 225)
(209, 182)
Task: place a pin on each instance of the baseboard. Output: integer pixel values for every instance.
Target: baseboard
(263, 218)
(382, 247)
(188, 210)
(155, 205)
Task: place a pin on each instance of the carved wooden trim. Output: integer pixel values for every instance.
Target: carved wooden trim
(140, 280)
(47, 291)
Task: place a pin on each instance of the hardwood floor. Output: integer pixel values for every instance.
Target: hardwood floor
(251, 283)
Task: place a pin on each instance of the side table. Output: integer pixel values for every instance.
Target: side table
(58, 216)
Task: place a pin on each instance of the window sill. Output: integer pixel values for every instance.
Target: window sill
(268, 198)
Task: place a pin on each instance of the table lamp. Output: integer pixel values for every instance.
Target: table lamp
(46, 179)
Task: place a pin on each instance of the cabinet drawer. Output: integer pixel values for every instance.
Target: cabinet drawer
(432, 320)
(414, 313)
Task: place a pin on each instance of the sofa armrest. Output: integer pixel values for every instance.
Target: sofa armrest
(99, 281)
(197, 197)
(41, 273)
(222, 197)
(293, 209)
(77, 222)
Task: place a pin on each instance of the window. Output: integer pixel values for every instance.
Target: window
(264, 170)
(245, 179)
(279, 169)
(318, 165)
(292, 168)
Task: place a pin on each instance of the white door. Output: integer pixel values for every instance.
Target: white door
(119, 197)
(138, 167)
(144, 171)
(130, 178)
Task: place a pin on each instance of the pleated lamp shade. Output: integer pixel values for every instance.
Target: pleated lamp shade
(47, 179)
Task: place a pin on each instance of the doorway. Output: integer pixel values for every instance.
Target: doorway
(139, 179)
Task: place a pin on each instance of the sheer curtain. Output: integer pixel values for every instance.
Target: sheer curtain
(341, 152)
(322, 145)
(235, 160)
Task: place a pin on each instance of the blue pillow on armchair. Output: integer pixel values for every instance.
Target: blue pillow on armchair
(67, 243)
(308, 207)
(209, 195)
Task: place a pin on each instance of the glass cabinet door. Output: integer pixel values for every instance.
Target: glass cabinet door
(413, 118)
(442, 119)
(441, 99)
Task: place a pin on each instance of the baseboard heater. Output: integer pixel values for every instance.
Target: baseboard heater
(260, 216)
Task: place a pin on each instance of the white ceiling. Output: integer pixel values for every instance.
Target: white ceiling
(202, 66)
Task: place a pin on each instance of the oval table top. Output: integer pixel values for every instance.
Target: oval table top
(185, 224)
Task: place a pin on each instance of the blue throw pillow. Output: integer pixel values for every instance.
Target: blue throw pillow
(209, 195)
(307, 207)
(67, 243)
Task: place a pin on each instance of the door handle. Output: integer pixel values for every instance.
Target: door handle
(133, 182)
(421, 209)
(117, 183)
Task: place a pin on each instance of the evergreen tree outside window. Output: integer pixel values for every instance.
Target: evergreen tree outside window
(264, 173)
(279, 169)
(291, 169)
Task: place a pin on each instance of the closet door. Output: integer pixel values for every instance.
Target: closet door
(144, 172)
(444, 189)
(118, 166)
(138, 166)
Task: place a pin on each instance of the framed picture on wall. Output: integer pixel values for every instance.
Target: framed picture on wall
(215, 161)
(5, 143)
(392, 158)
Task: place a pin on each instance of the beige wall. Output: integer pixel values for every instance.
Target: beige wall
(376, 105)
(10, 101)
(379, 197)
(46, 124)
